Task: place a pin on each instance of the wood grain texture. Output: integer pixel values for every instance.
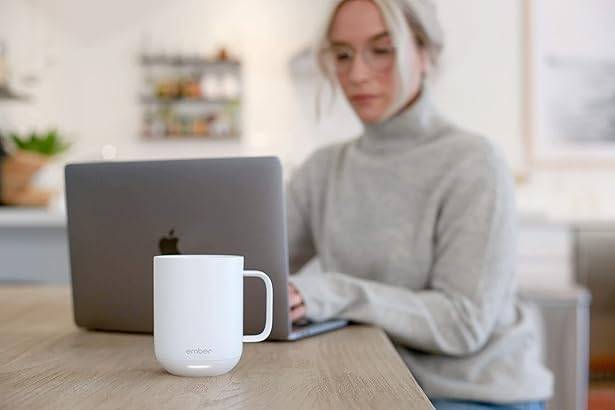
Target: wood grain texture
(47, 362)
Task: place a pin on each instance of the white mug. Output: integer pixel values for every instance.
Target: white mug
(198, 313)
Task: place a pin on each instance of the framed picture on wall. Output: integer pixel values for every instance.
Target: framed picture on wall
(570, 73)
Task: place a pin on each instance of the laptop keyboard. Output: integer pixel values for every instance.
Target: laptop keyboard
(302, 323)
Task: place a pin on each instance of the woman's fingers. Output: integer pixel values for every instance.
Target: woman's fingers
(295, 299)
(297, 313)
(297, 307)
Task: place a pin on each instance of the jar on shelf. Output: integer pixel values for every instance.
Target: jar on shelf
(211, 85)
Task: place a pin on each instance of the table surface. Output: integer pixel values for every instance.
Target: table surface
(47, 362)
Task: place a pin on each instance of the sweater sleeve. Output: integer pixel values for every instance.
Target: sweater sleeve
(471, 278)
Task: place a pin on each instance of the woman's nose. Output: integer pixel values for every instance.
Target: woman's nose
(359, 70)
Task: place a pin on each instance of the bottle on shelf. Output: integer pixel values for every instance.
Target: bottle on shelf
(230, 85)
(213, 87)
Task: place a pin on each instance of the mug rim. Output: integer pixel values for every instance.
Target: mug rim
(191, 256)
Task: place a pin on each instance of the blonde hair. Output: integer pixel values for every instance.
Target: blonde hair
(406, 20)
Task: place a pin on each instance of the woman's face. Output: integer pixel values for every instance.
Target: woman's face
(363, 58)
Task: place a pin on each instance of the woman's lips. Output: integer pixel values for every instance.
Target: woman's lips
(363, 98)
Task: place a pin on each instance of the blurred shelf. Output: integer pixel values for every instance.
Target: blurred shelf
(189, 137)
(190, 98)
(8, 94)
(189, 61)
(16, 217)
(205, 101)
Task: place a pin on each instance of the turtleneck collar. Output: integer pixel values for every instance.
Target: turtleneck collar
(415, 125)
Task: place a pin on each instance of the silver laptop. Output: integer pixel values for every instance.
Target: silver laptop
(122, 214)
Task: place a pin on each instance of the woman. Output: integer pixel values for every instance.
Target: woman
(414, 221)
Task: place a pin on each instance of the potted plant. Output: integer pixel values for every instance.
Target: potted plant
(47, 144)
(32, 152)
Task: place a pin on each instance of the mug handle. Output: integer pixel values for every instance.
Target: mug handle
(269, 317)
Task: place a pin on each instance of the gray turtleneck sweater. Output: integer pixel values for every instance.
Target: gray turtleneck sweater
(414, 225)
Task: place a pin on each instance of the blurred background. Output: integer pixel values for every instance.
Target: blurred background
(151, 79)
(85, 71)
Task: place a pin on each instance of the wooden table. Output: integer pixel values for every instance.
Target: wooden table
(47, 362)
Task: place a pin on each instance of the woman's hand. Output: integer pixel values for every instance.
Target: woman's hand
(297, 305)
(18, 169)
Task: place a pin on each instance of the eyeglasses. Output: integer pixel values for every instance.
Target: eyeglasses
(377, 57)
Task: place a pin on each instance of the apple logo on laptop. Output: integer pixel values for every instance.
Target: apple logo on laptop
(168, 244)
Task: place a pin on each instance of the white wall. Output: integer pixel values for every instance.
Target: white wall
(480, 83)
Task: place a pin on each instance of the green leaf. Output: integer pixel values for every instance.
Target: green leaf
(49, 143)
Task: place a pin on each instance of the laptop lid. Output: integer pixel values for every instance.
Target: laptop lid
(121, 214)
